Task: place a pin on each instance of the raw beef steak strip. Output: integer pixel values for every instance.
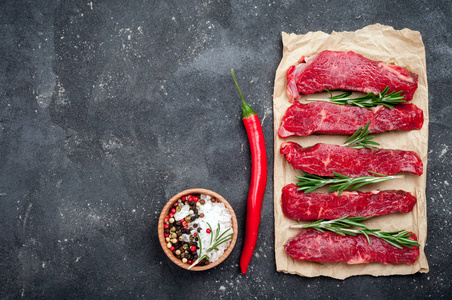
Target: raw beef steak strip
(336, 70)
(313, 245)
(297, 205)
(324, 159)
(328, 118)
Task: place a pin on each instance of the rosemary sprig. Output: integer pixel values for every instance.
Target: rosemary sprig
(342, 226)
(360, 139)
(368, 101)
(215, 240)
(338, 182)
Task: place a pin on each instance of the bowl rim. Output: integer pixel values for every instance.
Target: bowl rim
(165, 212)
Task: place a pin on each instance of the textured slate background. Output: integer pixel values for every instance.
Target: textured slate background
(109, 108)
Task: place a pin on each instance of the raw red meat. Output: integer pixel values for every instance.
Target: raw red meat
(328, 118)
(336, 70)
(297, 205)
(324, 159)
(313, 245)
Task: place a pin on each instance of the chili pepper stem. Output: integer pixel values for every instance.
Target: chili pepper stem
(247, 111)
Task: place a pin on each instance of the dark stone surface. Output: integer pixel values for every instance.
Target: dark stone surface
(108, 108)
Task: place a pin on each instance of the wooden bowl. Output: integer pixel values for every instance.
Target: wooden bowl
(166, 211)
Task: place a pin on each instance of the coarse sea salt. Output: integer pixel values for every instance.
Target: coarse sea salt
(216, 214)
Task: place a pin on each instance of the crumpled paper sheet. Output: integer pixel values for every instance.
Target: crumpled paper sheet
(401, 47)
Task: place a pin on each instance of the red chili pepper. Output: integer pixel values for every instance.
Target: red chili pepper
(258, 179)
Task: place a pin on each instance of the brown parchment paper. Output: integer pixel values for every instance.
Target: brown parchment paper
(401, 47)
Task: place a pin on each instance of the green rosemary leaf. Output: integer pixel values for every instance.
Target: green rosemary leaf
(355, 187)
(211, 236)
(353, 137)
(395, 244)
(367, 236)
(378, 174)
(356, 223)
(338, 175)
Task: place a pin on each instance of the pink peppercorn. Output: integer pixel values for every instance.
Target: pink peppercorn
(208, 230)
(193, 248)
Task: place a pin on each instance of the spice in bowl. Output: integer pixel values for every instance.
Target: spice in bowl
(198, 229)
